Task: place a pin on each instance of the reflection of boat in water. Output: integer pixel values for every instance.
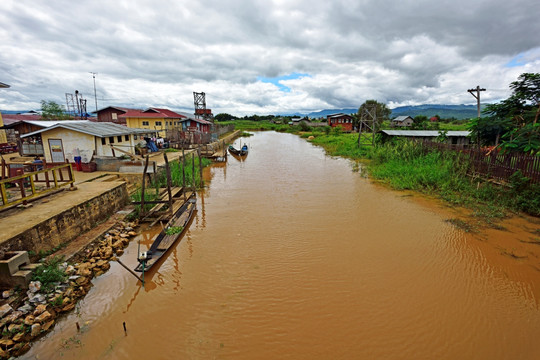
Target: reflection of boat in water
(175, 228)
(242, 152)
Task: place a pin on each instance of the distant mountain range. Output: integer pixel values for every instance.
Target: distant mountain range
(444, 111)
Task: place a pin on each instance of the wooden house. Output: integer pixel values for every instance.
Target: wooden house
(191, 124)
(112, 114)
(343, 120)
(402, 121)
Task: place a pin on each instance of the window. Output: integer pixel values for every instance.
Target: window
(145, 123)
(103, 141)
(126, 137)
(114, 116)
(119, 137)
(158, 123)
(111, 140)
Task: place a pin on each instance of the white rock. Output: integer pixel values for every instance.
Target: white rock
(25, 309)
(5, 309)
(34, 286)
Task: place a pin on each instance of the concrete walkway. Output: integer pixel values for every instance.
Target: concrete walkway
(16, 221)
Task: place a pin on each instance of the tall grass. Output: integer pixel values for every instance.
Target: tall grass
(179, 168)
(406, 165)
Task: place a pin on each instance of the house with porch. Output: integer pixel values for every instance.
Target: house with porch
(155, 119)
(66, 140)
(340, 119)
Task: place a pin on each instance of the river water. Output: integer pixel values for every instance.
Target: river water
(293, 255)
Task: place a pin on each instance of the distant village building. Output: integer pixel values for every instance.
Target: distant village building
(191, 124)
(453, 137)
(343, 120)
(112, 114)
(156, 119)
(65, 140)
(402, 121)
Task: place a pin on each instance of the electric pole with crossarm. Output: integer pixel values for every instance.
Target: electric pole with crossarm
(477, 96)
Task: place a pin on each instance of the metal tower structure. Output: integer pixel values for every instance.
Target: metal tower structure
(81, 105)
(200, 106)
(367, 125)
(70, 104)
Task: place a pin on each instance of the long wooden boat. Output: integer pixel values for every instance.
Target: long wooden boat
(175, 228)
(242, 152)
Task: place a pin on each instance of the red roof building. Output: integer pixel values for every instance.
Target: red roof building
(343, 120)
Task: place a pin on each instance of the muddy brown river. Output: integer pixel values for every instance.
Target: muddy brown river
(293, 255)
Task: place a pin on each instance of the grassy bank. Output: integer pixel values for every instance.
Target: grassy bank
(405, 165)
(181, 171)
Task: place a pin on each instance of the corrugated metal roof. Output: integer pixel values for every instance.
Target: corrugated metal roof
(402, 118)
(424, 133)
(99, 129)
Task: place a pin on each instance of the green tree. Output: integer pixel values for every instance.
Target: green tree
(50, 110)
(224, 117)
(522, 111)
(382, 113)
(420, 122)
(487, 131)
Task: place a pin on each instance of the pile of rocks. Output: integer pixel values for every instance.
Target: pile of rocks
(25, 317)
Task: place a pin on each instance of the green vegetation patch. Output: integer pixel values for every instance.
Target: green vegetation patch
(49, 273)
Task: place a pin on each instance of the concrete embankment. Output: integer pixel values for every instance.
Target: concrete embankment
(62, 217)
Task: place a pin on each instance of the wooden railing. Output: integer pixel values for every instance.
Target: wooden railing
(493, 163)
(53, 178)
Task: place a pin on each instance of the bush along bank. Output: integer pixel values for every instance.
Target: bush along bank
(407, 165)
(56, 288)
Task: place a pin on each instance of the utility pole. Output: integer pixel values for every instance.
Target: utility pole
(477, 96)
(95, 95)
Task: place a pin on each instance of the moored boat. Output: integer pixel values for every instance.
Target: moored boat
(175, 228)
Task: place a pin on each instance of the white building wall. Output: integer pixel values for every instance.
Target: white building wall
(73, 143)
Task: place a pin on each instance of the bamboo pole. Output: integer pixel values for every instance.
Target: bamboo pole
(200, 166)
(193, 171)
(183, 173)
(143, 185)
(131, 271)
(169, 182)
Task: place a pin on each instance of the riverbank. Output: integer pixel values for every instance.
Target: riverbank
(405, 165)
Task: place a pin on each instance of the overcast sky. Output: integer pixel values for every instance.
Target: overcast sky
(264, 57)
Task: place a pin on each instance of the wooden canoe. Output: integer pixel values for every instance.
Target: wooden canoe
(163, 242)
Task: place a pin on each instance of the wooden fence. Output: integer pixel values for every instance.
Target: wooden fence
(51, 178)
(493, 163)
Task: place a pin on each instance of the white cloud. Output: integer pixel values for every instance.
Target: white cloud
(156, 53)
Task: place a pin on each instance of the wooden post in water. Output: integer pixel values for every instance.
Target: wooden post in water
(193, 170)
(200, 166)
(183, 173)
(169, 182)
(143, 185)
